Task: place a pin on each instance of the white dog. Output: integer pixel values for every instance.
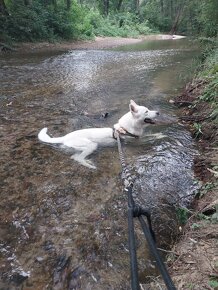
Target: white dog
(86, 141)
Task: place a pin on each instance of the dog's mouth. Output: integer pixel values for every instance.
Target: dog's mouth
(149, 121)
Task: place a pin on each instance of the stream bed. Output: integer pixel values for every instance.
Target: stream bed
(62, 225)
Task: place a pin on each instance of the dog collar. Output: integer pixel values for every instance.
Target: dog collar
(126, 134)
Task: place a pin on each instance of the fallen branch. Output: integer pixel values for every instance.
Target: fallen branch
(194, 118)
(215, 173)
(182, 103)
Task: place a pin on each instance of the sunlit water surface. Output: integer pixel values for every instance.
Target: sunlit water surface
(52, 208)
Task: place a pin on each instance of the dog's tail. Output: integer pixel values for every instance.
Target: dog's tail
(44, 137)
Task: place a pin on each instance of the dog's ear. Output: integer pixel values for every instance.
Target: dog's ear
(133, 107)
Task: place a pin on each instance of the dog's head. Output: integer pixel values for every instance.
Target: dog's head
(142, 114)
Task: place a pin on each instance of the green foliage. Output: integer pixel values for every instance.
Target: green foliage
(121, 24)
(211, 91)
(183, 215)
(156, 18)
(196, 226)
(209, 17)
(201, 18)
(209, 71)
(196, 17)
(198, 131)
(43, 20)
(143, 28)
(191, 286)
(206, 188)
(51, 19)
(39, 21)
(213, 283)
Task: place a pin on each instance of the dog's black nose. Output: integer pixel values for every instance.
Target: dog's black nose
(158, 113)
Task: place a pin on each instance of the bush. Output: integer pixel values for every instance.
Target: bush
(24, 23)
(122, 24)
(210, 72)
(41, 21)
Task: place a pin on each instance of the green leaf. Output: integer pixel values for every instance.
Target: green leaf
(213, 283)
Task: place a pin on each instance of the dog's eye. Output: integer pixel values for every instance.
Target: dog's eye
(146, 112)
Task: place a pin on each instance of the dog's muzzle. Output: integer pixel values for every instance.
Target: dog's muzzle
(149, 121)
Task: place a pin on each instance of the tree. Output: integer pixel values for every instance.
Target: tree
(119, 4)
(178, 16)
(68, 3)
(106, 7)
(136, 4)
(27, 2)
(3, 8)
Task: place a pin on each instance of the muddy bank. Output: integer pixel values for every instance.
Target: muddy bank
(200, 116)
(193, 261)
(97, 43)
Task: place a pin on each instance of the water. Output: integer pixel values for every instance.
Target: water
(52, 208)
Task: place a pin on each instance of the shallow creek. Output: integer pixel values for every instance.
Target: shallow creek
(64, 226)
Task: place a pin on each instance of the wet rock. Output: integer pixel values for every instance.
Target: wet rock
(61, 272)
(104, 115)
(64, 277)
(39, 259)
(75, 278)
(48, 246)
(19, 278)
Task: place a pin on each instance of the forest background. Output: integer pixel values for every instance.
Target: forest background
(55, 20)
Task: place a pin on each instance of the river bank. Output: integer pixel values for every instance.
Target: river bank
(97, 43)
(194, 259)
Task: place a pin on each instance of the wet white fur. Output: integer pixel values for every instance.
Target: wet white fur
(86, 141)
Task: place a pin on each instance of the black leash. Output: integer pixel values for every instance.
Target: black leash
(137, 211)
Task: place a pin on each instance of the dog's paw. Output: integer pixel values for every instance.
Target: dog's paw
(89, 164)
(84, 162)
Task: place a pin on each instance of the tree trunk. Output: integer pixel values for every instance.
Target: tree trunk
(177, 20)
(171, 9)
(106, 7)
(54, 2)
(27, 2)
(3, 8)
(68, 3)
(119, 5)
(162, 8)
(137, 6)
